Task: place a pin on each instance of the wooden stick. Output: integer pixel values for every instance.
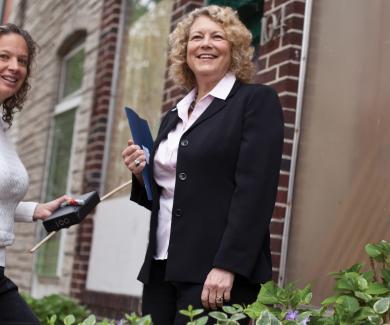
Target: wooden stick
(115, 190)
(44, 240)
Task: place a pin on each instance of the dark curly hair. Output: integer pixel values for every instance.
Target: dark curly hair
(15, 102)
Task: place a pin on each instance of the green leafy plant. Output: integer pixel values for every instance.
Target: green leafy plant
(57, 305)
(362, 297)
(192, 313)
(275, 305)
(230, 315)
(134, 319)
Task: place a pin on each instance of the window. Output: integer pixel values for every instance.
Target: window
(59, 179)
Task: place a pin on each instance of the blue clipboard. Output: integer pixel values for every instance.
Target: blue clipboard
(141, 136)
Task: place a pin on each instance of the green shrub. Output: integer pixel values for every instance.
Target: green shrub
(58, 305)
(362, 297)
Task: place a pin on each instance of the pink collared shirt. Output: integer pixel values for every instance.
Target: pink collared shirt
(166, 157)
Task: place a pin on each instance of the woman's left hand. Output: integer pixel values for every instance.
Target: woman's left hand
(44, 210)
(216, 288)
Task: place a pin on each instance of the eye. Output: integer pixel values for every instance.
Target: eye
(4, 56)
(23, 61)
(218, 37)
(195, 37)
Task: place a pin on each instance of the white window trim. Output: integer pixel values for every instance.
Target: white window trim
(67, 104)
(62, 78)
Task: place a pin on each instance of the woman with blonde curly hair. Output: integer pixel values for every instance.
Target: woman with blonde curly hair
(215, 167)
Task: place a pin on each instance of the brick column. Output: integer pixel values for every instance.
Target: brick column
(279, 68)
(96, 137)
(172, 93)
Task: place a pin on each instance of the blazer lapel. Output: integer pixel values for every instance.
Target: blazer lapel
(172, 120)
(216, 105)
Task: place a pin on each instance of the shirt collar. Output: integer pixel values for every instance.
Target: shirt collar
(224, 86)
(221, 91)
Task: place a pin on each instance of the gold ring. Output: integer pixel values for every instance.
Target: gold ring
(219, 300)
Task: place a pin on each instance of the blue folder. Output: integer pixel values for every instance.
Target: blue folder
(141, 136)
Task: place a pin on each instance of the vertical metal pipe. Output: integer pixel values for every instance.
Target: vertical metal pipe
(294, 155)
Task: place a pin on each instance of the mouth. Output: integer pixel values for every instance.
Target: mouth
(10, 79)
(207, 56)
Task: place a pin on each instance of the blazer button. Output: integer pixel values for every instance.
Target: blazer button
(178, 213)
(182, 176)
(184, 143)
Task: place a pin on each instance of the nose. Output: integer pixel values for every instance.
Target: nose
(13, 63)
(206, 41)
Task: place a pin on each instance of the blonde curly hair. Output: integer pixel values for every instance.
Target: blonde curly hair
(237, 34)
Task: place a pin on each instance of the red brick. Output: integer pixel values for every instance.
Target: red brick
(262, 63)
(168, 83)
(287, 84)
(289, 69)
(281, 196)
(295, 7)
(281, 56)
(266, 77)
(288, 101)
(168, 106)
(294, 22)
(284, 180)
(275, 260)
(267, 6)
(276, 245)
(287, 148)
(270, 46)
(275, 275)
(292, 38)
(176, 92)
(280, 2)
(285, 165)
(276, 228)
(177, 15)
(289, 116)
(279, 212)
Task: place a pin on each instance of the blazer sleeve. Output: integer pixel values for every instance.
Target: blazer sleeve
(257, 174)
(138, 194)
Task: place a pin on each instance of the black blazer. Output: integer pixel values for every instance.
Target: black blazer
(226, 182)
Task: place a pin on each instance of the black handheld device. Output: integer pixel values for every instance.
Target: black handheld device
(69, 215)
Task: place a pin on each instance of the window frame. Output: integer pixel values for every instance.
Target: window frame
(65, 104)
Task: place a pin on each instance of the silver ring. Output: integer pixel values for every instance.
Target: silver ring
(137, 162)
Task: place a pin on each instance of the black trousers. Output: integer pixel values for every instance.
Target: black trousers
(163, 300)
(13, 309)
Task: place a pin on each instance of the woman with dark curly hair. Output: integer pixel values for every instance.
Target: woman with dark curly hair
(215, 167)
(17, 51)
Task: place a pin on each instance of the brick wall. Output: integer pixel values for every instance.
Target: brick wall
(108, 33)
(279, 68)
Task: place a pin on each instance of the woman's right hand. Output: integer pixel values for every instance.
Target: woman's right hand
(134, 158)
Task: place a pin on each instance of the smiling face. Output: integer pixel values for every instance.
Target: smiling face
(208, 50)
(13, 64)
